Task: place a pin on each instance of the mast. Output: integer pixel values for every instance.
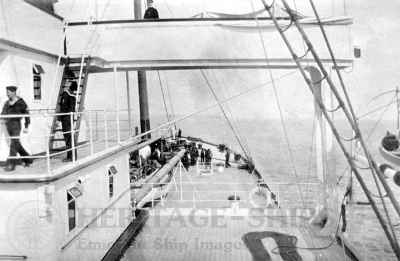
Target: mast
(142, 83)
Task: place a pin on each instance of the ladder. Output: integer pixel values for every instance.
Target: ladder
(385, 222)
(75, 69)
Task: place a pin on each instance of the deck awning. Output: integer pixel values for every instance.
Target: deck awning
(155, 44)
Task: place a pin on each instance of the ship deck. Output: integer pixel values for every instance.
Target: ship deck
(196, 221)
(46, 169)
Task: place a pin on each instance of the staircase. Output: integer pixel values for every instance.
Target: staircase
(75, 69)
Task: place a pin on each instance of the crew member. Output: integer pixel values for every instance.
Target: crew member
(151, 12)
(227, 156)
(15, 105)
(67, 105)
(202, 155)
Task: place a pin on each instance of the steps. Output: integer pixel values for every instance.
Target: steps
(75, 69)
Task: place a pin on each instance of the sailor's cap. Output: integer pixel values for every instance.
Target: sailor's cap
(11, 88)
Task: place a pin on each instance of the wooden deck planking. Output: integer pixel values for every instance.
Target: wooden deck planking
(186, 233)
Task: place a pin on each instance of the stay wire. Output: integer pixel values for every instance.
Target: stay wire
(225, 115)
(291, 156)
(276, 95)
(163, 95)
(369, 135)
(173, 115)
(233, 119)
(347, 98)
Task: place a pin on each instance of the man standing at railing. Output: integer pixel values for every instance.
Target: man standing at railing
(15, 105)
(67, 105)
(151, 12)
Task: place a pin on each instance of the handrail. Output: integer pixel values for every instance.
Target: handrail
(21, 115)
(109, 132)
(13, 257)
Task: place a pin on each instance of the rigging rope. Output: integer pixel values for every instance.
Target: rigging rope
(283, 124)
(163, 96)
(61, 54)
(91, 37)
(173, 115)
(226, 116)
(291, 156)
(369, 135)
(234, 121)
(352, 120)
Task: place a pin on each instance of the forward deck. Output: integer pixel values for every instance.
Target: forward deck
(197, 221)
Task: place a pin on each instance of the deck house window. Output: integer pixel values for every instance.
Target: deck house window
(71, 211)
(37, 82)
(111, 180)
(72, 194)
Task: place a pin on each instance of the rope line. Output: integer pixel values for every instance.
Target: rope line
(225, 115)
(374, 171)
(335, 109)
(173, 115)
(231, 114)
(350, 115)
(163, 96)
(275, 91)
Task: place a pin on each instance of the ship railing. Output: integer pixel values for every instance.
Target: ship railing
(235, 194)
(99, 130)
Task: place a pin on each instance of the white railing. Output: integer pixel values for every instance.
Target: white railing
(183, 191)
(246, 195)
(99, 130)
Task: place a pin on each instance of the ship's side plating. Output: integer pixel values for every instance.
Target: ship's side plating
(76, 216)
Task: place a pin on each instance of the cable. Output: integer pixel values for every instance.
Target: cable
(394, 100)
(225, 115)
(163, 95)
(172, 114)
(234, 121)
(95, 31)
(356, 127)
(283, 124)
(277, 251)
(369, 135)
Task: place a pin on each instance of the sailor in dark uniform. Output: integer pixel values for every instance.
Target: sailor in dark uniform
(227, 156)
(151, 12)
(67, 105)
(15, 105)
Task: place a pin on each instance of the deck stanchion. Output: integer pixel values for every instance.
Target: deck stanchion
(193, 199)
(91, 133)
(180, 179)
(116, 103)
(48, 156)
(97, 124)
(128, 99)
(152, 196)
(105, 129)
(72, 133)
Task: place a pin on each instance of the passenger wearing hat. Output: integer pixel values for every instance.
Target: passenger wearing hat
(67, 105)
(15, 105)
(151, 12)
